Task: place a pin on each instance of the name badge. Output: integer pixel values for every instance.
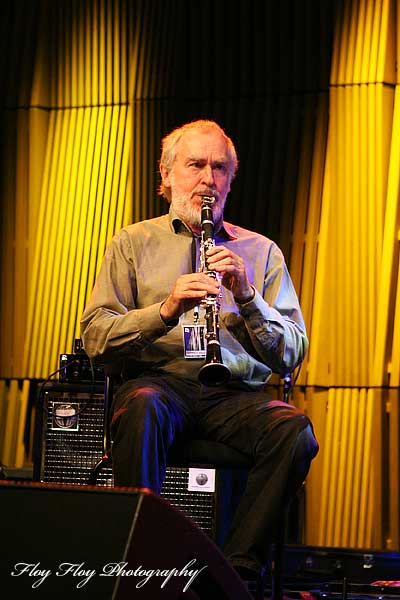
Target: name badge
(194, 343)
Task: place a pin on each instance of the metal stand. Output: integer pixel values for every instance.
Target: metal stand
(106, 459)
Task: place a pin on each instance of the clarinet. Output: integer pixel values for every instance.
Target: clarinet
(213, 372)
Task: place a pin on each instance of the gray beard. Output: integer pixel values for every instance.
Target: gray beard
(191, 215)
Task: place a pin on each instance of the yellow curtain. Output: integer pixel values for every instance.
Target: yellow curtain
(350, 284)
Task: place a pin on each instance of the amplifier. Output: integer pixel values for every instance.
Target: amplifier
(77, 368)
(69, 443)
(69, 433)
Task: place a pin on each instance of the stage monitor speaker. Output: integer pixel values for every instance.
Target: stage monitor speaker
(63, 542)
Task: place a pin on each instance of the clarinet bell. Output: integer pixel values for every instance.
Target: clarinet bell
(214, 373)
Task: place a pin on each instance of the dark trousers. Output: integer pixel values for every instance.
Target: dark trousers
(151, 412)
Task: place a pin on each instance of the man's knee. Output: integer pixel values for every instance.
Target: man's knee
(306, 448)
(139, 403)
(290, 428)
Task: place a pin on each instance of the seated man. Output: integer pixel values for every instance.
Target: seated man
(149, 298)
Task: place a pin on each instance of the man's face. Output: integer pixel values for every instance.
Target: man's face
(201, 168)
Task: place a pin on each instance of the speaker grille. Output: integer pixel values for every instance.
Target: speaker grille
(198, 506)
(73, 438)
(72, 445)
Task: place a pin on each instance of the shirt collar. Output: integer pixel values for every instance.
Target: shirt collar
(178, 226)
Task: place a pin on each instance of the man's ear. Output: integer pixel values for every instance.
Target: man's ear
(165, 176)
(165, 188)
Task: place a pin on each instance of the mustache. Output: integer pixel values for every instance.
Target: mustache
(206, 192)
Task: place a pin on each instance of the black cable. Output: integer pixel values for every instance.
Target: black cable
(71, 362)
(91, 393)
(294, 380)
(289, 381)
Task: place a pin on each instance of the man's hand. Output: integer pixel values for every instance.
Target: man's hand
(188, 291)
(233, 272)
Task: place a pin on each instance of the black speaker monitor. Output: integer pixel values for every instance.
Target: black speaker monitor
(62, 542)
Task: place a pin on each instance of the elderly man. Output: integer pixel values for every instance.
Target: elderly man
(147, 302)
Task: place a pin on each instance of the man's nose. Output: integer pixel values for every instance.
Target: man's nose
(207, 175)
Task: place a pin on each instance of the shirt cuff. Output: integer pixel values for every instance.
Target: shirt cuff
(151, 323)
(171, 323)
(247, 301)
(256, 305)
